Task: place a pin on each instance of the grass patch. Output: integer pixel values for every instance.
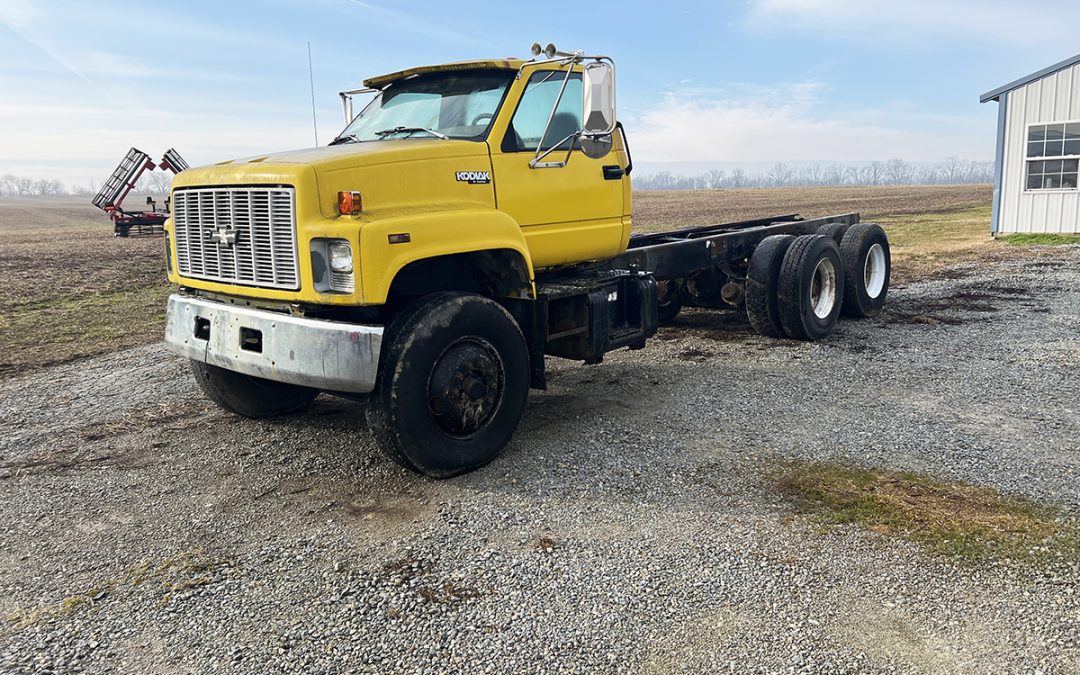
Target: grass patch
(1042, 239)
(923, 242)
(60, 329)
(947, 518)
(182, 572)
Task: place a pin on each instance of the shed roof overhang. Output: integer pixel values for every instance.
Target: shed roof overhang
(994, 94)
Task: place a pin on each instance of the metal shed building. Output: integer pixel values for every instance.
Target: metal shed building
(1038, 151)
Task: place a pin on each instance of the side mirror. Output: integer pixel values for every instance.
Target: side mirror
(597, 114)
(598, 105)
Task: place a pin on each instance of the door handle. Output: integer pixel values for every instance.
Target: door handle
(613, 172)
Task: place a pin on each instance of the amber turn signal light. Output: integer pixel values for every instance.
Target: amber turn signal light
(349, 203)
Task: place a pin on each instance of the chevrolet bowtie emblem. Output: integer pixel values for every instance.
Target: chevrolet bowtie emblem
(223, 235)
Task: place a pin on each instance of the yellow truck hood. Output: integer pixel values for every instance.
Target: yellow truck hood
(392, 175)
(368, 153)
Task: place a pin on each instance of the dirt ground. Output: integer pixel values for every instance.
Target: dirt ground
(69, 288)
(661, 209)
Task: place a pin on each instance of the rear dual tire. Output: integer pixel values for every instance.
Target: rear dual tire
(834, 231)
(762, 285)
(864, 252)
(794, 286)
(811, 288)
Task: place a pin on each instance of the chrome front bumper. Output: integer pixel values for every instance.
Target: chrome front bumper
(325, 355)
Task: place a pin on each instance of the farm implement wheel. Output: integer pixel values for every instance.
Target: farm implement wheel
(867, 267)
(452, 384)
(811, 287)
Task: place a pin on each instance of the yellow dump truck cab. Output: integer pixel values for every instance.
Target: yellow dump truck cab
(472, 220)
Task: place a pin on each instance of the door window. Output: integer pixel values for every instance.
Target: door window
(531, 116)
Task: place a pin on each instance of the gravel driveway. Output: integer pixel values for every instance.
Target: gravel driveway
(631, 526)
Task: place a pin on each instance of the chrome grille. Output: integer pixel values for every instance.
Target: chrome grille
(261, 222)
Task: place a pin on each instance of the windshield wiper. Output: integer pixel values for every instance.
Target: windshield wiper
(348, 138)
(411, 130)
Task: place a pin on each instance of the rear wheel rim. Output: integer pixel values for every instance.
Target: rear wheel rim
(823, 289)
(874, 271)
(465, 387)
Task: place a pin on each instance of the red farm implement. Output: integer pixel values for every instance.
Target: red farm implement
(123, 181)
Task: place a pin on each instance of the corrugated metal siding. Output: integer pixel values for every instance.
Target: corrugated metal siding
(1055, 98)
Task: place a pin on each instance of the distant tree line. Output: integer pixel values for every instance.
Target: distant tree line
(21, 186)
(893, 172)
(157, 182)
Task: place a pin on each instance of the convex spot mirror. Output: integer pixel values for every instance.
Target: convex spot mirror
(598, 108)
(596, 147)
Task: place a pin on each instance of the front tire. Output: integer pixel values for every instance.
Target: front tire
(452, 385)
(250, 396)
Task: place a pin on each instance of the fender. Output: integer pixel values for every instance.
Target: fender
(432, 234)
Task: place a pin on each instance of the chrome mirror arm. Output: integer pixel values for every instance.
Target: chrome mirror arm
(346, 101)
(535, 162)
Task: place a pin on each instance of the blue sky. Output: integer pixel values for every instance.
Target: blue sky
(747, 81)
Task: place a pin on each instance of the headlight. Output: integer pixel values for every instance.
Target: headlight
(340, 256)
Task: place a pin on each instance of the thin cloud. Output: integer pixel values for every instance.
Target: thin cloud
(59, 60)
(18, 13)
(687, 126)
(422, 22)
(201, 138)
(875, 21)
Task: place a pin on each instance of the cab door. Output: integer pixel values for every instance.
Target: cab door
(570, 213)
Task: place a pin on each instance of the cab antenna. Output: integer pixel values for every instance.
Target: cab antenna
(311, 79)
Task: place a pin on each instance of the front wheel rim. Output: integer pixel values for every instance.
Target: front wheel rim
(465, 387)
(823, 289)
(874, 271)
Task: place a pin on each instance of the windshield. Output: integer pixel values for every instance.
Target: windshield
(458, 104)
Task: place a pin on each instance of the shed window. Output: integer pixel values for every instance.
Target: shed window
(1053, 156)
